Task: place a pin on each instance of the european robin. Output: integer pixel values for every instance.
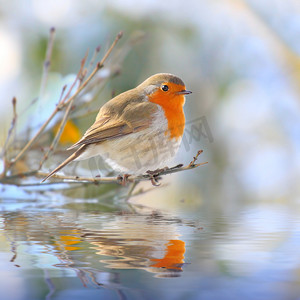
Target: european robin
(138, 130)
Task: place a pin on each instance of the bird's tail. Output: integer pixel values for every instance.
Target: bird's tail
(73, 156)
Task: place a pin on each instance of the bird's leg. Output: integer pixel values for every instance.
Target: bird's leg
(154, 180)
(154, 174)
(123, 179)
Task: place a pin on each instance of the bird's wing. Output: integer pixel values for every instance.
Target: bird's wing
(135, 117)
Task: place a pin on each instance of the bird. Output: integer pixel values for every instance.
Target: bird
(137, 131)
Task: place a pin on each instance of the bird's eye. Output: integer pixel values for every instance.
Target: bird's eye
(165, 88)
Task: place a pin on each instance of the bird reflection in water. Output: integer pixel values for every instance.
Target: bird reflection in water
(95, 245)
(152, 246)
(174, 257)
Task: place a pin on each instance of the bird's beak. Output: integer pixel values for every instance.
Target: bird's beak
(183, 92)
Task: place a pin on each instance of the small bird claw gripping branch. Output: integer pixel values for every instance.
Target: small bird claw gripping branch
(153, 176)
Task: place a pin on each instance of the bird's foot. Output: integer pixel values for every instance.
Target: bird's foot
(123, 180)
(154, 175)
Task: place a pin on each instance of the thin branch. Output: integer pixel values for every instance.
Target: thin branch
(28, 145)
(27, 107)
(81, 87)
(62, 93)
(58, 135)
(18, 176)
(64, 103)
(156, 175)
(192, 163)
(92, 61)
(65, 118)
(46, 183)
(12, 127)
(9, 134)
(79, 76)
(47, 61)
(83, 71)
(56, 110)
(130, 178)
(119, 35)
(96, 69)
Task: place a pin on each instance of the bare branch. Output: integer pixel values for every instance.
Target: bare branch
(58, 134)
(47, 61)
(66, 115)
(92, 61)
(10, 133)
(192, 163)
(130, 178)
(12, 126)
(153, 175)
(65, 102)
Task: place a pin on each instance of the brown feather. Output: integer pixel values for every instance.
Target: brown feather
(134, 118)
(68, 160)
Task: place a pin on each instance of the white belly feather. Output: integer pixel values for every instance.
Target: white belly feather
(138, 152)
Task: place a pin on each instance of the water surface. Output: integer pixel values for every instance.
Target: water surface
(88, 250)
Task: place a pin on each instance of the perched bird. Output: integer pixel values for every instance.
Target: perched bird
(138, 130)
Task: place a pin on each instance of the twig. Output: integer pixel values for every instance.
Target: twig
(27, 107)
(58, 135)
(79, 75)
(12, 126)
(131, 178)
(87, 69)
(96, 69)
(47, 183)
(96, 52)
(47, 61)
(63, 122)
(119, 35)
(116, 179)
(28, 145)
(83, 71)
(18, 175)
(192, 163)
(62, 93)
(10, 133)
(64, 103)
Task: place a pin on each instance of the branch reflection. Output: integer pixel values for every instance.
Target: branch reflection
(96, 246)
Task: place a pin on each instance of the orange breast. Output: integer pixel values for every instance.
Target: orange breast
(172, 104)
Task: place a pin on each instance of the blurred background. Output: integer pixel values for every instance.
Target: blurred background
(239, 57)
(237, 218)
